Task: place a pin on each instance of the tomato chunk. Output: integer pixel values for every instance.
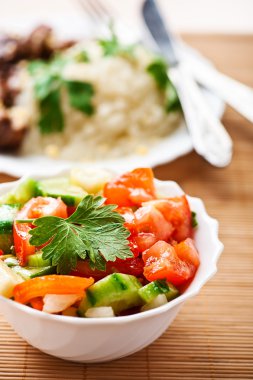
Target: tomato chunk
(150, 220)
(128, 215)
(175, 264)
(144, 240)
(35, 208)
(177, 212)
(131, 189)
(133, 266)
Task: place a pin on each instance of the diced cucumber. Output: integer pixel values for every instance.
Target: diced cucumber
(27, 272)
(153, 289)
(23, 192)
(36, 260)
(8, 280)
(11, 261)
(7, 215)
(90, 179)
(156, 302)
(120, 291)
(61, 187)
(6, 242)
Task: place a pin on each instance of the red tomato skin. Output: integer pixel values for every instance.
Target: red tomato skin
(44, 206)
(151, 220)
(144, 240)
(83, 269)
(21, 238)
(117, 194)
(133, 246)
(35, 208)
(162, 262)
(128, 215)
(133, 266)
(131, 189)
(71, 210)
(176, 211)
(187, 251)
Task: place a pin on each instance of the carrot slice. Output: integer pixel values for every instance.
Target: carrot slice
(37, 303)
(51, 284)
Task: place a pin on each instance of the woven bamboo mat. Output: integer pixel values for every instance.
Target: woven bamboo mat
(212, 337)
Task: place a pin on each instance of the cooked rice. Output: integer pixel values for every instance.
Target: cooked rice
(129, 110)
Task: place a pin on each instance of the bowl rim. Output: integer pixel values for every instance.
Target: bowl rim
(189, 293)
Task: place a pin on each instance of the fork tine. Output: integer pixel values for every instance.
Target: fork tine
(88, 9)
(99, 10)
(101, 7)
(104, 9)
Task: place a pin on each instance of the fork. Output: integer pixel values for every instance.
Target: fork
(209, 137)
(102, 17)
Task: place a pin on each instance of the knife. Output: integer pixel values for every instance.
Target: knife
(236, 94)
(209, 137)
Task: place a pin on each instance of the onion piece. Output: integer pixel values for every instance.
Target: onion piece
(100, 312)
(55, 303)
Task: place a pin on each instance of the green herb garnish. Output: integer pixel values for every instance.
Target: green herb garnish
(112, 45)
(48, 83)
(82, 56)
(93, 231)
(51, 116)
(194, 219)
(158, 69)
(80, 96)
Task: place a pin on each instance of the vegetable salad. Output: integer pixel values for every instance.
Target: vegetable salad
(89, 246)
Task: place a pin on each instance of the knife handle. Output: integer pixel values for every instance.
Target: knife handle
(209, 137)
(236, 94)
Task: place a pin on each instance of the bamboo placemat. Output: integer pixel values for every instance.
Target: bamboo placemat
(212, 337)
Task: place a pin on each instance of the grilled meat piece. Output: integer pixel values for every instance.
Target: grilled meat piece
(38, 45)
(10, 138)
(13, 49)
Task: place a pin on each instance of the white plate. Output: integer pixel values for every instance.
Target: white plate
(171, 147)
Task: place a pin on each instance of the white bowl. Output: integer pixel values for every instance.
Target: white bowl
(99, 340)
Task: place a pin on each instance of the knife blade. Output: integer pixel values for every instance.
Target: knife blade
(209, 137)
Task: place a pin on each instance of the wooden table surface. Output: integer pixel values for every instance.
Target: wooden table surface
(212, 337)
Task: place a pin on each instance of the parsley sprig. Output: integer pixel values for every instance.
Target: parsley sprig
(48, 83)
(158, 70)
(93, 231)
(112, 46)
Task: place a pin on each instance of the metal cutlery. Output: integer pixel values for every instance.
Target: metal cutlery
(236, 94)
(209, 137)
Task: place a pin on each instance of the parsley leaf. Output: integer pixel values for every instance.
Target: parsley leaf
(48, 83)
(93, 230)
(158, 70)
(112, 46)
(194, 219)
(51, 116)
(82, 56)
(172, 100)
(80, 96)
